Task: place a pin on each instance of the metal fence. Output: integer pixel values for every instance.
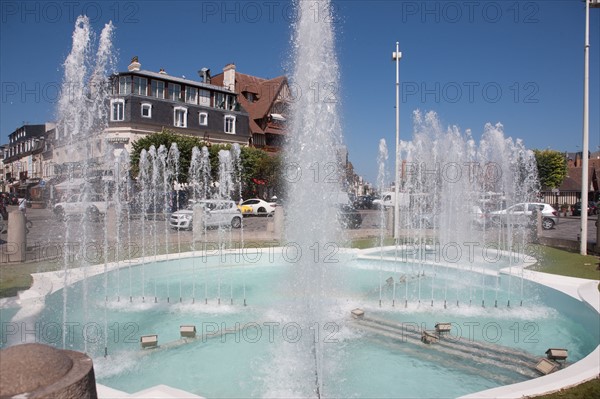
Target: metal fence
(564, 197)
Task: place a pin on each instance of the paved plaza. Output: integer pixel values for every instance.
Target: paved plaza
(47, 232)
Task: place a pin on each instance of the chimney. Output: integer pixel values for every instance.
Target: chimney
(135, 65)
(204, 74)
(162, 71)
(229, 76)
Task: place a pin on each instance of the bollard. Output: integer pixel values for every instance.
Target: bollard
(16, 238)
(111, 220)
(597, 235)
(278, 219)
(389, 221)
(198, 222)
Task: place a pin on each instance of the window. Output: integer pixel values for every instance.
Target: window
(117, 110)
(140, 86)
(175, 90)
(230, 124)
(191, 95)
(230, 102)
(124, 85)
(219, 100)
(204, 98)
(158, 89)
(180, 117)
(146, 110)
(519, 208)
(203, 118)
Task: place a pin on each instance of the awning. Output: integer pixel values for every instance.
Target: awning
(70, 184)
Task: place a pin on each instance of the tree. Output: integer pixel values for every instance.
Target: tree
(257, 165)
(552, 167)
(185, 144)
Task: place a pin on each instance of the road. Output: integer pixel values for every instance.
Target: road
(47, 232)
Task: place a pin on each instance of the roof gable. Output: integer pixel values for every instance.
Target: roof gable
(266, 92)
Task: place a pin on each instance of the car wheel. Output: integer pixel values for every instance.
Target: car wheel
(236, 222)
(59, 213)
(261, 211)
(547, 224)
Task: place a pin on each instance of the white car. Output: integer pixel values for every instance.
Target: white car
(217, 213)
(522, 214)
(256, 206)
(92, 206)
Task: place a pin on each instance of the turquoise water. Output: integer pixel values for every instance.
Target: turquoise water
(356, 363)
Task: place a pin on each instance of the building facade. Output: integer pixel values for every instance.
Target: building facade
(23, 163)
(266, 101)
(144, 102)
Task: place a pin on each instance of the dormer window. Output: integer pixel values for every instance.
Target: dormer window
(203, 118)
(251, 97)
(229, 124)
(146, 110)
(180, 117)
(117, 110)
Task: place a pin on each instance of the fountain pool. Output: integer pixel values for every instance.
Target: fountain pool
(296, 336)
(358, 359)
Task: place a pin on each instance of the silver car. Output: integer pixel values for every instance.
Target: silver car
(217, 213)
(522, 214)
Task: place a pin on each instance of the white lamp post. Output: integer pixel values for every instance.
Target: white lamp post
(396, 57)
(586, 125)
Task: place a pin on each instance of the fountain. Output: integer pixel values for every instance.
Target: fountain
(276, 321)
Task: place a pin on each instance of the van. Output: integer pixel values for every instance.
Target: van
(387, 200)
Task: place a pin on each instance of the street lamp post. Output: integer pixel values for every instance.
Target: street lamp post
(586, 125)
(396, 57)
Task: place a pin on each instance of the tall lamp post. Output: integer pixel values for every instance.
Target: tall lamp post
(586, 126)
(396, 57)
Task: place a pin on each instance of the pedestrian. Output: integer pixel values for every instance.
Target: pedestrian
(23, 205)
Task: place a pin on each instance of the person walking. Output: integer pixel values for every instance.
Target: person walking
(23, 205)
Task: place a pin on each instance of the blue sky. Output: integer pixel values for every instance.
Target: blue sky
(515, 62)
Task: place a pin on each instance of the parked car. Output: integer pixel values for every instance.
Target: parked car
(522, 214)
(349, 217)
(363, 202)
(217, 213)
(258, 207)
(592, 208)
(91, 206)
